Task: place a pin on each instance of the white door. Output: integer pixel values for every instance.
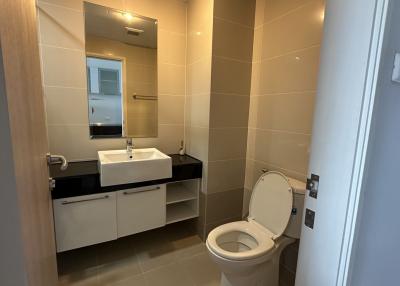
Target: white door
(349, 66)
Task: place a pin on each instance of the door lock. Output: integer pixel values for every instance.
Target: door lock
(312, 186)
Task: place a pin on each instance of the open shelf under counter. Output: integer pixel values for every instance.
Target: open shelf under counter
(179, 192)
(181, 211)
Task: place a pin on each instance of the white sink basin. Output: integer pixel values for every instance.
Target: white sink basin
(117, 167)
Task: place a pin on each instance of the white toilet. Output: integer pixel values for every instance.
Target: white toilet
(248, 252)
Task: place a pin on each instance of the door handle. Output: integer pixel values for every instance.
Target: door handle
(55, 159)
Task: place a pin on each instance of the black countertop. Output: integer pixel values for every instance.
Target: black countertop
(83, 178)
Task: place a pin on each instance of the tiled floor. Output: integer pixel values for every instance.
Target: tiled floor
(168, 256)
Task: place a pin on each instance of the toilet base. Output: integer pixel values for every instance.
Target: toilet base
(265, 274)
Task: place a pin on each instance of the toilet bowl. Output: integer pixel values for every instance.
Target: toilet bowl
(248, 252)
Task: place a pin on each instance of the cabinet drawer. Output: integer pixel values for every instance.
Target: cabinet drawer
(140, 209)
(85, 220)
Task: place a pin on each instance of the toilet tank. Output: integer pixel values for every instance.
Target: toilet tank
(294, 226)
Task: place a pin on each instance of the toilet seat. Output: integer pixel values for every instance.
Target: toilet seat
(270, 209)
(271, 202)
(241, 232)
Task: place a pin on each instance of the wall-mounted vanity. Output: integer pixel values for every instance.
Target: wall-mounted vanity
(87, 213)
(123, 192)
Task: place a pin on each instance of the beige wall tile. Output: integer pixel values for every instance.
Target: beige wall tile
(169, 138)
(286, 150)
(232, 41)
(199, 45)
(199, 77)
(171, 109)
(72, 141)
(246, 202)
(253, 111)
(255, 88)
(227, 143)
(198, 109)
(197, 142)
(290, 112)
(288, 172)
(258, 44)
(238, 11)
(171, 47)
(72, 4)
(60, 26)
(171, 79)
(225, 175)
(251, 143)
(290, 73)
(230, 76)
(66, 106)
(229, 110)
(199, 29)
(259, 14)
(249, 174)
(63, 67)
(224, 205)
(304, 26)
(171, 15)
(274, 9)
(283, 87)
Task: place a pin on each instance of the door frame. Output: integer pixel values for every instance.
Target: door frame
(370, 91)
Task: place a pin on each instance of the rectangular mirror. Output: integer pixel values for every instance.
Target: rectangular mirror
(121, 61)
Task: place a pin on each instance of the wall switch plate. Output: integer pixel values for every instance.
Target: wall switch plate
(309, 219)
(396, 68)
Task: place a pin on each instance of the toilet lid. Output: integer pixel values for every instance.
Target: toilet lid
(271, 202)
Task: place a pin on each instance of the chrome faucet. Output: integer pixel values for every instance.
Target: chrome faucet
(129, 145)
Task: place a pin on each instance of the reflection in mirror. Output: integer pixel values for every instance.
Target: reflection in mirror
(121, 59)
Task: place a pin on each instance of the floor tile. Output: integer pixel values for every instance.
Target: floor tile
(173, 255)
(118, 270)
(170, 275)
(137, 280)
(86, 277)
(202, 270)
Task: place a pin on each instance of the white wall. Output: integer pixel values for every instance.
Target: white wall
(377, 255)
(12, 268)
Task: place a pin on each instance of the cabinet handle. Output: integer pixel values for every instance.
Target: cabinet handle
(86, 200)
(141, 191)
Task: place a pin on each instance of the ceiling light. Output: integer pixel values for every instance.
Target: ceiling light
(128, 16)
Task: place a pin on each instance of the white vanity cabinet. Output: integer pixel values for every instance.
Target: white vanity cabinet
(140, 209)
(85, 220)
